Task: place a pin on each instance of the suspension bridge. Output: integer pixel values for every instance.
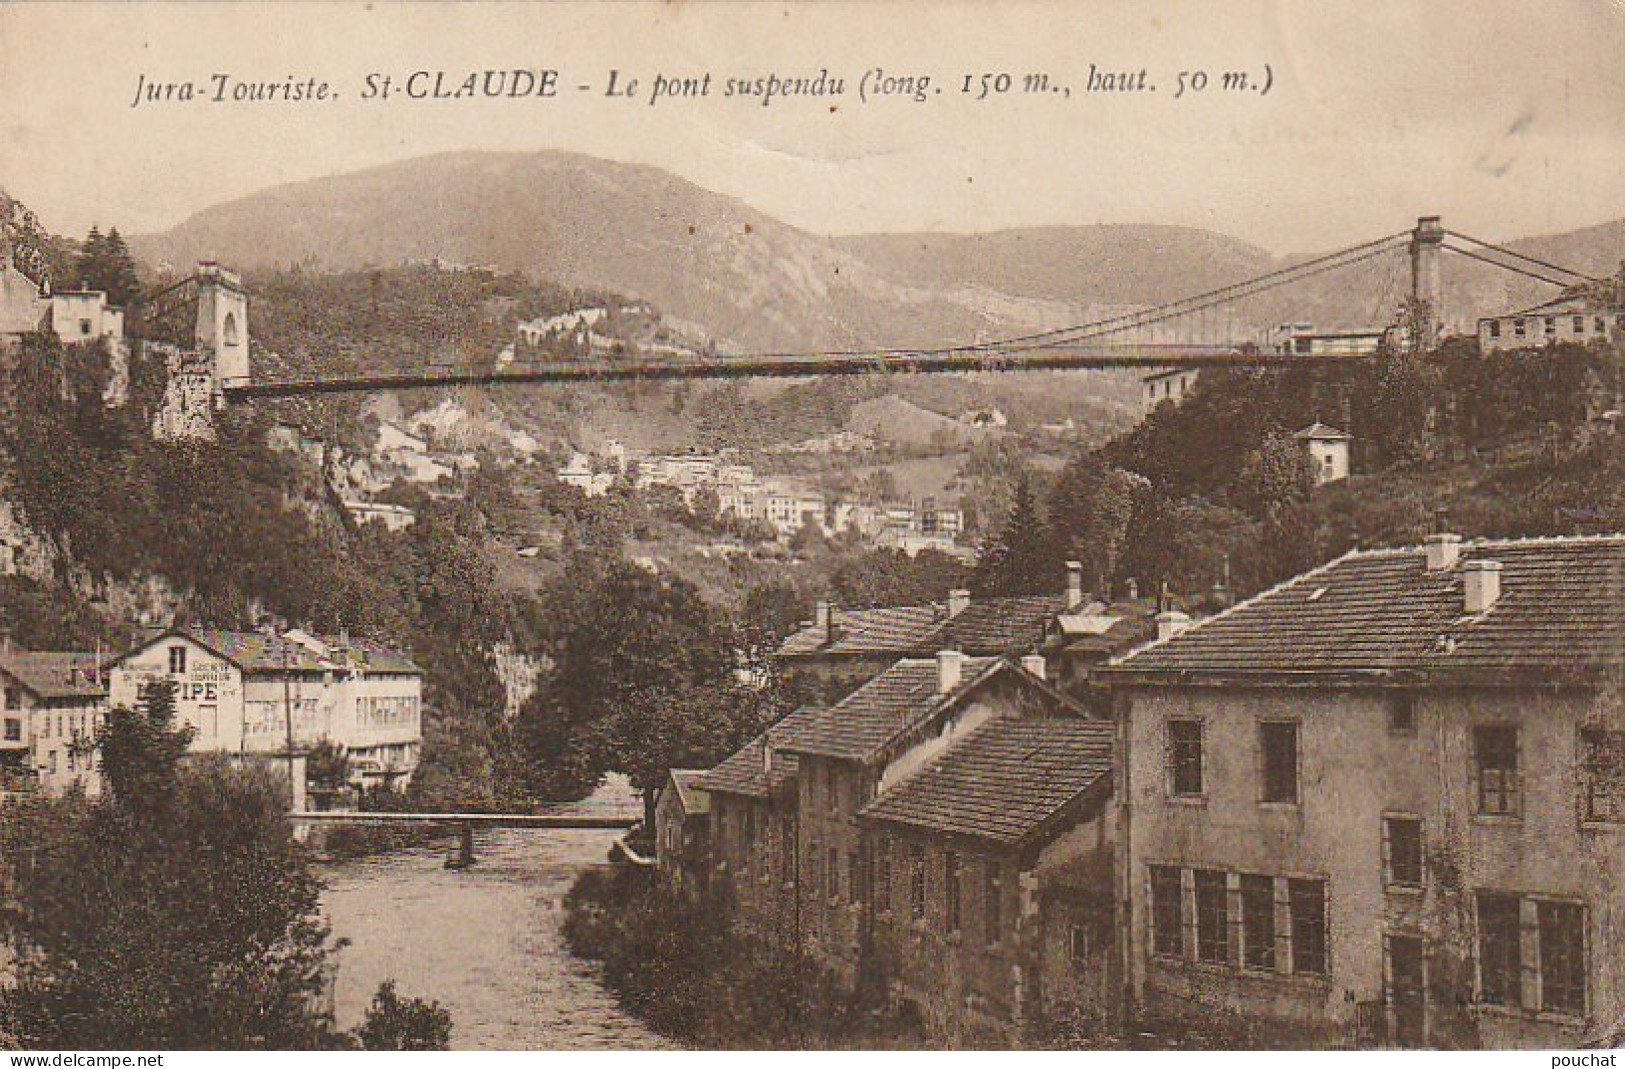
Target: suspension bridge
(1174, 335)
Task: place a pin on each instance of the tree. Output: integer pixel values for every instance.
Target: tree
(327, 766)
(394, 1023)
(105, 264)
(175, 912)
(1017, 559)
(643, 680)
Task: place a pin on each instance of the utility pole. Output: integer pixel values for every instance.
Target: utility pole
(287, 715)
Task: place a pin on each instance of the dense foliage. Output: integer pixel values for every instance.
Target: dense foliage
(679, 967)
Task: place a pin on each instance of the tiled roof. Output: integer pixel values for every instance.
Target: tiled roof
(696, 802)
(257, 651)
(1561, 612)
(1320, 432)
(742, 772)
(871, 717)
(988, 627)
(890, 630)
(1100, 630)
(1005, 781)
(55, 675)
(996, 626)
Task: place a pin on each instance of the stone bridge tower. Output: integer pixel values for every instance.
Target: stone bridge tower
(221, 337)
(1427, 288)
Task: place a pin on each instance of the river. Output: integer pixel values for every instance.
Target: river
(486, 942)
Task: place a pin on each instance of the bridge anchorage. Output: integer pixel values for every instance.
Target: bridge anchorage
(1176, 335)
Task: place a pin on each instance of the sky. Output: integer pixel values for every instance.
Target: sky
(1506, 118)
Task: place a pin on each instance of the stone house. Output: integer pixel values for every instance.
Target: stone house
(1384, 802)
(1576, 318)
(840, 649)
(682, 831)
(753, 835)
(51, 706)
(875, 739)
(990, 899)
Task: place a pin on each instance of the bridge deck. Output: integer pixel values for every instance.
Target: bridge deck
(781, 366)
(481, 820)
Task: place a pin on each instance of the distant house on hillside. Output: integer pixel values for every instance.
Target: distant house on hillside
(1169, 384)
(1577, 319)
(1328, 450)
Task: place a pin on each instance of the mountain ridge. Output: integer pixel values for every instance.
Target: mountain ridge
(753, 282)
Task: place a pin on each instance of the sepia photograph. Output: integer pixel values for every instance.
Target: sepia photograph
(732, 525)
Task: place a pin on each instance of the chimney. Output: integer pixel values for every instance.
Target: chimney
(1034, 663)
(1481, 583)
(1170, 623)
(1133, 589)
(1074, 584)
(958, 602)
(767, 757)
(950, 668)
(824, 619)
(1442, 551)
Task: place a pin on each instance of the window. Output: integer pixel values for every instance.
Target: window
(950, 888)
(1278, 741)
(1167, 923)
(1185, 757)
(992, 903)
(52, 762)
(1562, 957)
(1500, 950)
(917, 884)
(1518, 327)
(832, 870)
(1495, 328)
(1495, 749)
(1551, 324)
(1402, 715)
(1212, 917)
(816, 875)
(1598, 325)
(851, 876)
(14, 729)
(1603, 756)
(1258, 922)
(1402, 839)
(84, 327)
(177, 660)
(1579, 324)
(1080, 945)
(1306, 902)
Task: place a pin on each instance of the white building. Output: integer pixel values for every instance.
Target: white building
(393, 517)
(1169, 384)
(51, 706)
(247, 691)
(85, 316)
(1328, 450)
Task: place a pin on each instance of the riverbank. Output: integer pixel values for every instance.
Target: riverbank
(485, 941)
(684, 972)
